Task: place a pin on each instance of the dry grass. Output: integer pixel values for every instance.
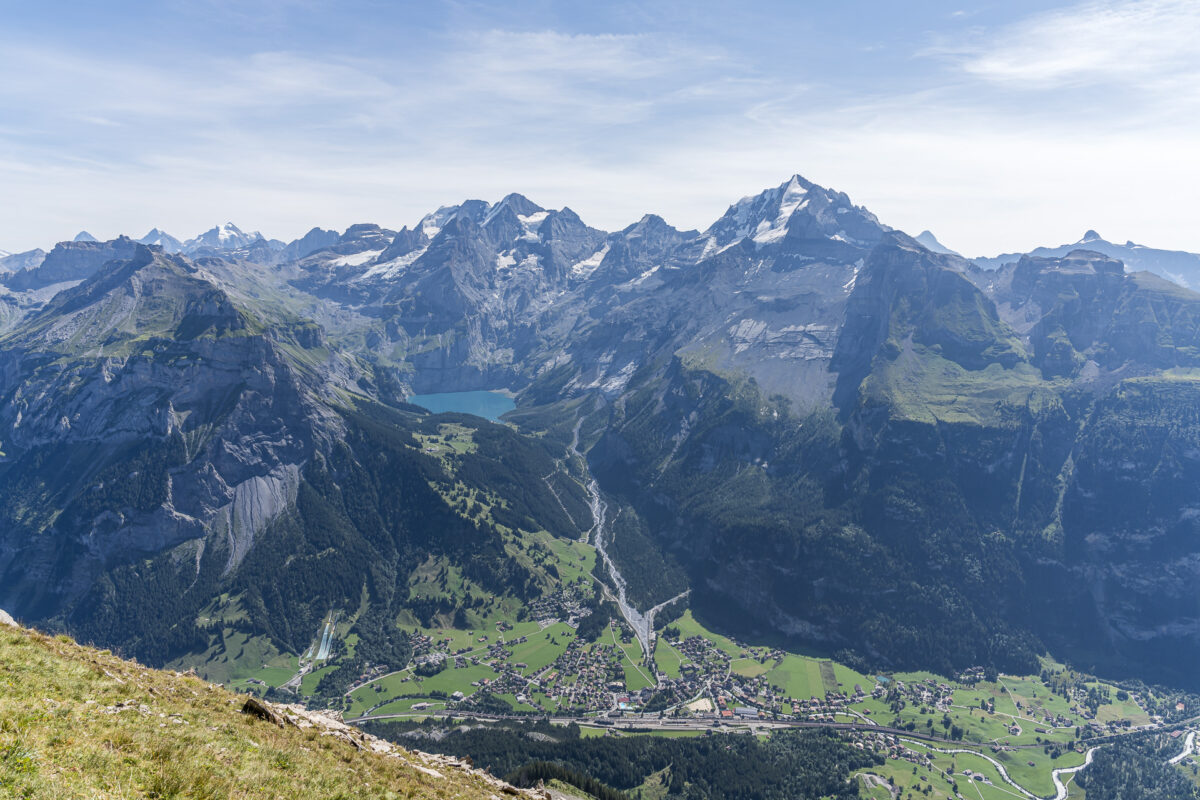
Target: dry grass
(81, 723)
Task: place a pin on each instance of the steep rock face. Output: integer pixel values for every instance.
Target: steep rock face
(145, 407)
(965, 480)
(316, 239)
(71, 261)
(13, 262)
(1130, 524)
(839, 434)
(906, 298)
(644, 246)
(1084, 309)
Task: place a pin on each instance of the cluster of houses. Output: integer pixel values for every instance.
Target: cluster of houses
(565, 605)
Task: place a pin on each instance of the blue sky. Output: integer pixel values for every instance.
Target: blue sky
(1000, 126)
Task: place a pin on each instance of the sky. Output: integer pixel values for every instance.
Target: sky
(1000, 126)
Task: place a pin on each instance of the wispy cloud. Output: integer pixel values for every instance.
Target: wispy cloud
(484, 107)
(1129, 41)
(336, 126)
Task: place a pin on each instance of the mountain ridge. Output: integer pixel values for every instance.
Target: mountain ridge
(930, 396)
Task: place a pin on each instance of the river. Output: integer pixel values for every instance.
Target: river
(641, 623)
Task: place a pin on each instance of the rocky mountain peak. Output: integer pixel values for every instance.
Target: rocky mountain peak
(84, 236)
(71, 261)
(366, 236)
(1086, 261)
(221, 237)
(316, 239)
(796, 210)
(520, 205)
(651, 225)
(166, 241)
(931, 243)
(474, 210)
(763, 217)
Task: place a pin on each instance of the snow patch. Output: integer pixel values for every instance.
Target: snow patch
(794, 198)
(642, 278)
(431, 224)
(390, 269)
(617, 383)
(585, 268)
(530, 223)
(849, 285)
(356, 259)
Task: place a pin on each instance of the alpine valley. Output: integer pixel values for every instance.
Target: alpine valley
(799, 463)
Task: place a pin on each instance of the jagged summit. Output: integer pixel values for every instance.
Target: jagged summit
(520, 205)
(166, 241)
(69, 261)
(316, 239)
(221, 237)
(797, 209)
(139, 293)
(84, 236)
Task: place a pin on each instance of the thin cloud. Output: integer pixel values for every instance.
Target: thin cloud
(1097, 42)
(612, 125)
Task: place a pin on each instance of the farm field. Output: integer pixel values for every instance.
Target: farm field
(531, 657)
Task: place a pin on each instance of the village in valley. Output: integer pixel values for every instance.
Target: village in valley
(570, 656)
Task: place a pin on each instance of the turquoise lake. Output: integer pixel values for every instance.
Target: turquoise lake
(489, 405)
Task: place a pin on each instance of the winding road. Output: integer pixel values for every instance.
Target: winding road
(1189, 747)
(1060, 788)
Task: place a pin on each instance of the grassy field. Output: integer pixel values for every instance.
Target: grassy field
(574, 560)
(81, 723)
(543, 648)
(450, 440)
(405, 705)
(750, 667)
(308, 684)
(636, 676)
(798, 676)
(667, 659)
(405, 684)
(240, 657)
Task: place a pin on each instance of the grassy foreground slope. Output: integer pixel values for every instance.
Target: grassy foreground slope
(81, 723)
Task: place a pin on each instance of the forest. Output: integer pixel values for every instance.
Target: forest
(790, 764)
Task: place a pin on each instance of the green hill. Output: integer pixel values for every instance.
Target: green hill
(80, 723)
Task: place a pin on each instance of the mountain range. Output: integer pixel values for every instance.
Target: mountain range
(829, 431)
(1176, 266)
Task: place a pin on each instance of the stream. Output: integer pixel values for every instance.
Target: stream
(597, 536)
